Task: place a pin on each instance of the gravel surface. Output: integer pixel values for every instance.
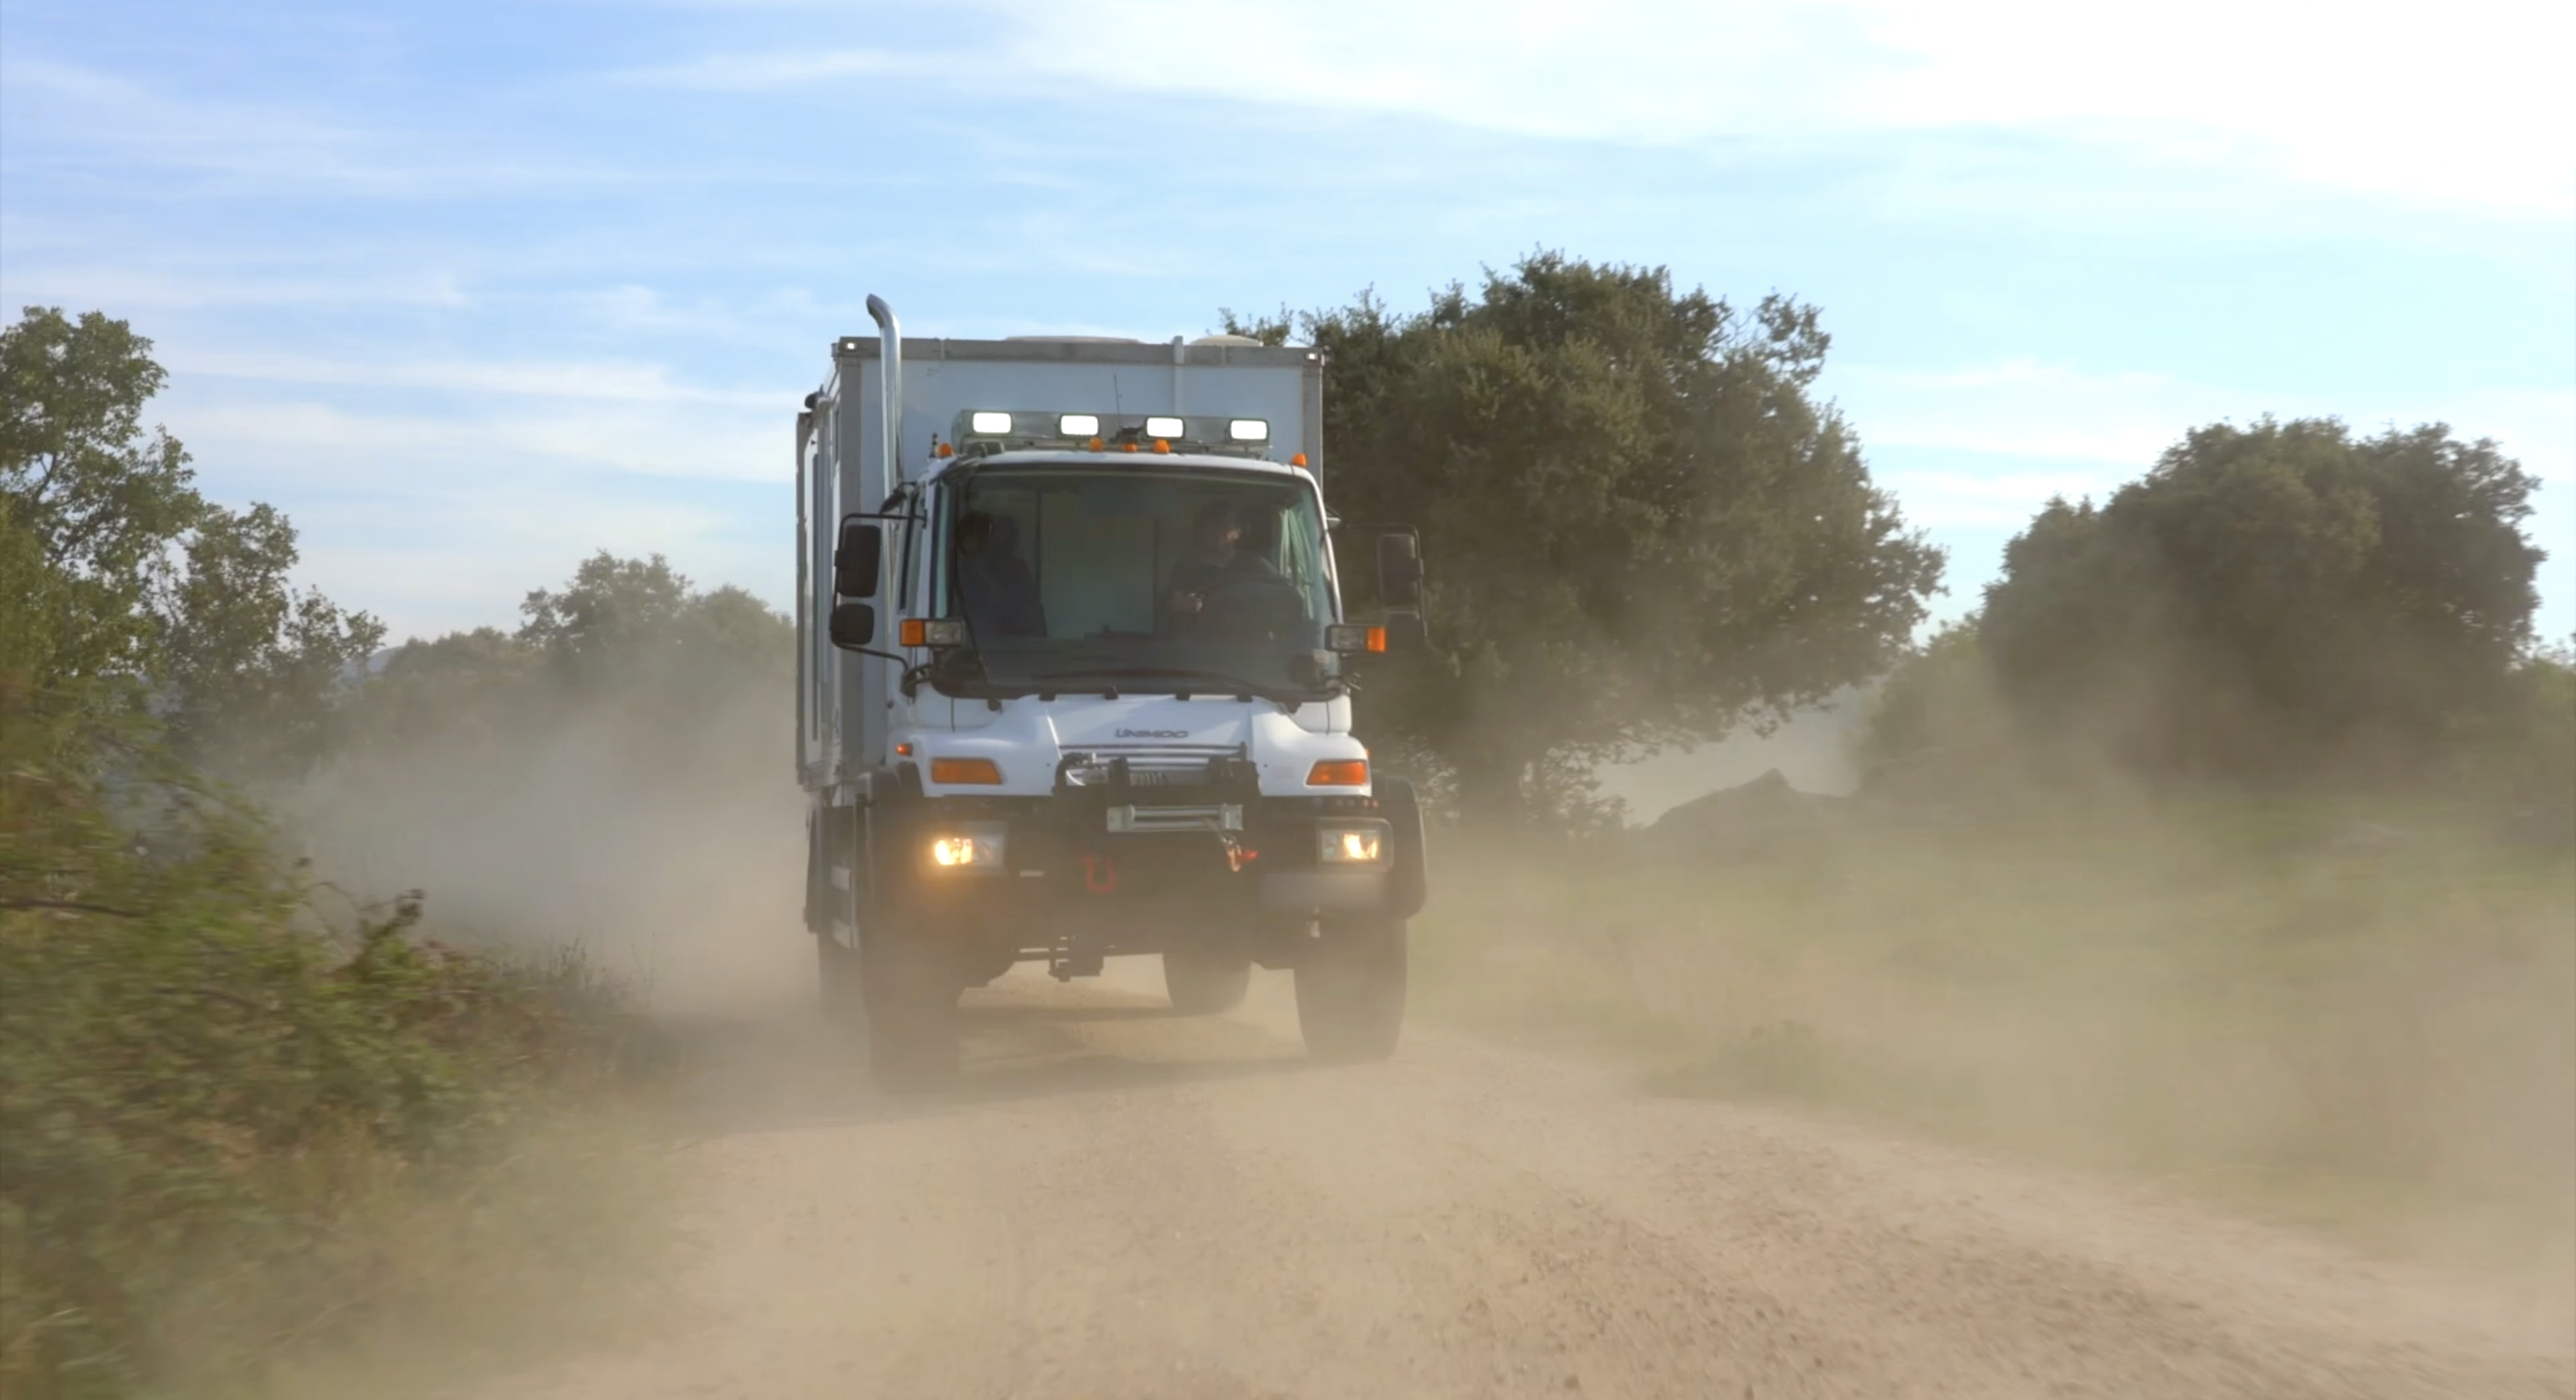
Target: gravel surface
(1120, 1203)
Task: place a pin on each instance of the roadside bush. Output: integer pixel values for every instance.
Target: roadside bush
(215, 1100)
(2524, 753)
(2280, 602)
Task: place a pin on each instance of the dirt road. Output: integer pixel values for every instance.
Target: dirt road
(1123, 1204)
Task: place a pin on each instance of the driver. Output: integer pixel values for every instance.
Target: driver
(1217, 565)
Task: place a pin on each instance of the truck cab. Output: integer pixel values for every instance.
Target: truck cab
(1074, 684)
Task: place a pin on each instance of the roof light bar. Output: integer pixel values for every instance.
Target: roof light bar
(984, 432)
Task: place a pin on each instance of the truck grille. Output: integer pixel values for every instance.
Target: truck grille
(1149, 767)
(1134, 817)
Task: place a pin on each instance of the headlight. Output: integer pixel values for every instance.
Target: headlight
(1351, 843)
(972, 848)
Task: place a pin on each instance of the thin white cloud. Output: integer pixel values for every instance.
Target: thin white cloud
(129, 288)
(437, 522)
(1951, 500)
(613, 381)
(459, 563)
(327, 446)
(73, 115)
(227, 137)
(2461, 106)
(773, 71)
(2027, 408)
(2022, 408)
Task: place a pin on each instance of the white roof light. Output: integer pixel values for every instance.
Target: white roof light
(1164, 427)
(1079, 425)
(997, 423)
(1248, 430)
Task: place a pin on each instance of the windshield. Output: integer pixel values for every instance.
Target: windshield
(1137, 579)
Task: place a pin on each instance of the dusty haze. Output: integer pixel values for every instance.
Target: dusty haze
(1825, 1099)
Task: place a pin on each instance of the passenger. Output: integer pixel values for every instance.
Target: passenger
(995, 585)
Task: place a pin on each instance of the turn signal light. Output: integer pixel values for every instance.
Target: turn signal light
(1352, 636)
(966, 771)
(1338, 772)
(932, 632)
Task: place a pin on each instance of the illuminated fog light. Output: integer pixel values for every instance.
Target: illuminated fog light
(1079, 425)
(1248, 430)
(996, 424)
(1359, 843)
(977, 848)
(1164, 427)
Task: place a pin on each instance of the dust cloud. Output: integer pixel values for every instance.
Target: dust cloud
(669, 858)
(2357, 1017)
(1921, 998)
(2361, 1019)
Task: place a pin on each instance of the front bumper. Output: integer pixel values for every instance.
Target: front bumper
(1325, 891)
(1277, 855)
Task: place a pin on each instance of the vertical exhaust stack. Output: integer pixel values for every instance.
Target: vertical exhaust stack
(889, 385)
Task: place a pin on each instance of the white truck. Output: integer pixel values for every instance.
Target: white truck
(1071, 685)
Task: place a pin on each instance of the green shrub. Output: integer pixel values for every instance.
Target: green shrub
(210, 1094)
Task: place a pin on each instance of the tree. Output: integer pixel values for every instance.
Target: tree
(1938, 706)
(611, 605)
(2269, 598)
(143, 581)
(621, 621)
(1642, 528)
(101, 499)
(257, 665)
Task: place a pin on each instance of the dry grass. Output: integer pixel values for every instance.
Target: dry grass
(2375, 1036)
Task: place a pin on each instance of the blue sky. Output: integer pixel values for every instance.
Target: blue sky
(474, 289)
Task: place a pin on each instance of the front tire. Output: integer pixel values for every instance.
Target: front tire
(1351, 989)
(1203, 981)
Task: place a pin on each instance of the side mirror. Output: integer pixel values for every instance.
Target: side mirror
(857, 564)
(854, 626)
(1399, 573)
